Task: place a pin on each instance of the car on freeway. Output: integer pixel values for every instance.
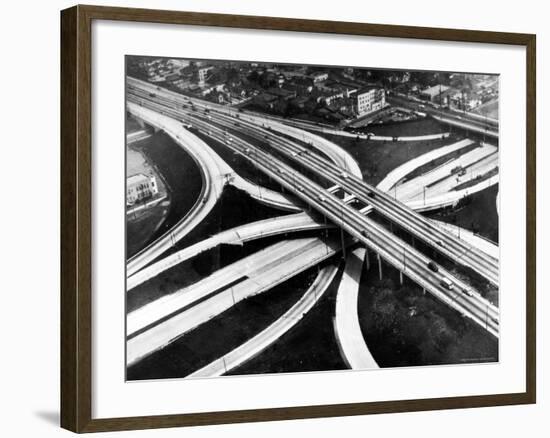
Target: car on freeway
(468, 292)
(371, 195)
(439, 242)
(433, 266)
(364, 233)
(344, 175)
(321, 198)
(446, 283)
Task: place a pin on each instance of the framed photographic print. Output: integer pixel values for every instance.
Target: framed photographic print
(268, 218)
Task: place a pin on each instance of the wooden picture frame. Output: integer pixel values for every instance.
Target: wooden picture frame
(76, 217)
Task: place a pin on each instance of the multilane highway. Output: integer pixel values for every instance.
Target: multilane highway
(411, 221)
(159, 323)
(396, 252)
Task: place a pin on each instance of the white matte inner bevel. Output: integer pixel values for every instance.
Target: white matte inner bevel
(113, 397)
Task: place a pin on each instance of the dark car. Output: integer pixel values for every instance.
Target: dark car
(433, 266)
(371, 195)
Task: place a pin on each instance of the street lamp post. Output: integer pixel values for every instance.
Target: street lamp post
(342, 232)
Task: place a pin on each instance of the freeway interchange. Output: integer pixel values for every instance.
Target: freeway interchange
(333, 190)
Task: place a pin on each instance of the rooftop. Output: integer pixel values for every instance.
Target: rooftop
(136, 179)
(435, 90)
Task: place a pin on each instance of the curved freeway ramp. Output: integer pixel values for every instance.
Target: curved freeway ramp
(397, 174)
(214, 172)
(234, 236)
(273, 332)
(346, 323)
(157, 324)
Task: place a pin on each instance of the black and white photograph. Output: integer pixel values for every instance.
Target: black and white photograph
(290, 218)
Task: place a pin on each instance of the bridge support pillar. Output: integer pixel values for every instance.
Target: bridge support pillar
(140, 122)
(379, 266)
(367, 258)
(343, 244)
(401, 277)
(424, 290)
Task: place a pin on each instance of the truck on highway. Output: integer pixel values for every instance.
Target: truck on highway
(433, 266)
(446, 283)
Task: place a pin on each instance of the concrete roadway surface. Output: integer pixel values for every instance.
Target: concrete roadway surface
(212, 186)
(474, 175)
(155, 325)
(397, 174)
(391, 248)
(432, 179)
(234, 236)
(273, 332)
(347, 328)
(442, 198)
(214, 172)
(485, 245)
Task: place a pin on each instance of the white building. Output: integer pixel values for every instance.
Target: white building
(369, 100)
(139, 187)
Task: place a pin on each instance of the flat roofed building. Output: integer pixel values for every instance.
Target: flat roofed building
(432, 93)
(370, 99)
(139, 187)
